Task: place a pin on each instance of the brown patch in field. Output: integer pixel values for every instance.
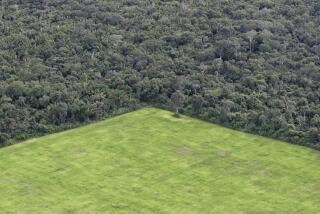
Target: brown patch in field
(79, 151)
(163, 175)
(252, 162)
(263, 172)
(316, 187)
(184, 151)
(257, 168)
(223, 153)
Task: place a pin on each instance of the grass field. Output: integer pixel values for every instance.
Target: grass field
(151, 162)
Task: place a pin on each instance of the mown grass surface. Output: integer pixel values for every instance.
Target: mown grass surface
(151, 162)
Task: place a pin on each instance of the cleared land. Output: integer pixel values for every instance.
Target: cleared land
(151, 162)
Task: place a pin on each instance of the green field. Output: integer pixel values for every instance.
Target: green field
(151, 162)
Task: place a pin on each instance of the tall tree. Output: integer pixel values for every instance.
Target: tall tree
(177, 99)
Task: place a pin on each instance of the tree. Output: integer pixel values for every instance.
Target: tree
(177, 100)
(58, 113)
(197, 103)
(15, 90)
(251, 34)
(3, 138)
(226, 50)
(315, 121)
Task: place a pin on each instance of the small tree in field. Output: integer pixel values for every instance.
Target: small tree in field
(177, 100)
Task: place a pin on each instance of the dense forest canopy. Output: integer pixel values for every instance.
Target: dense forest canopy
(251, 65)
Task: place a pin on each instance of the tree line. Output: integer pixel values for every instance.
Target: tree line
(252, 65)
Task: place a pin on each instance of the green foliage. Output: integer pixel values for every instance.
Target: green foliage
(250, 65)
